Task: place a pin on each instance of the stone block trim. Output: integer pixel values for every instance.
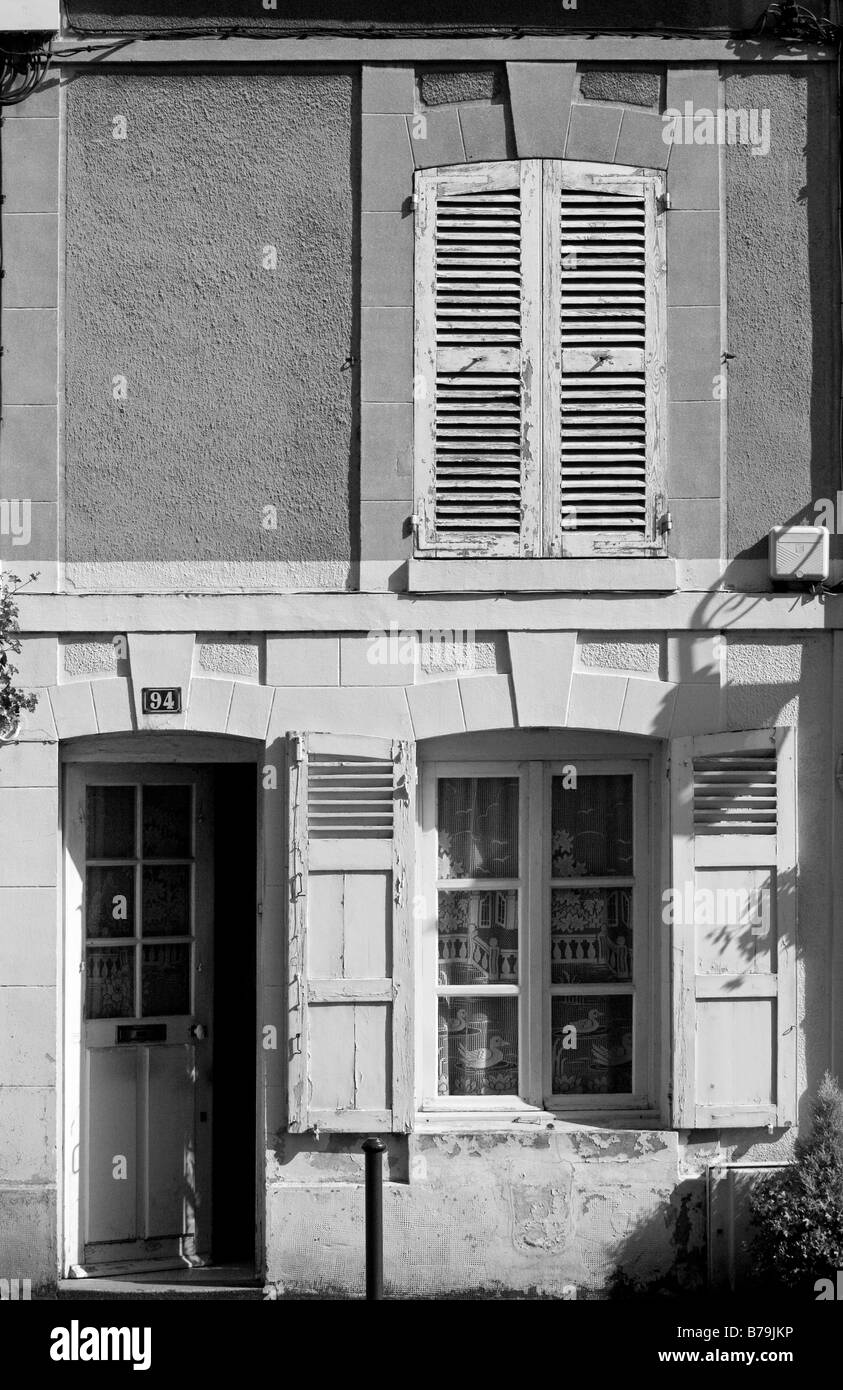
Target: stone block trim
(161, 659)
(542, 670)
(387, 164)
(593, 133)
(436, 138)
(694, 169)
(210, 702)
(249, 711)
(642, 141)
(545, 690)
(389, 90)
(487, 133)
(541, 96)
(436, 709)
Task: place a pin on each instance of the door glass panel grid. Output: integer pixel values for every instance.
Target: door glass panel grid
(144, 908)
(479, 899)
(591, 870)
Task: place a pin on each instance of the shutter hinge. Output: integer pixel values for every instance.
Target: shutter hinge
(664, 521)
(663, 203)
(414, 201)
(418, 521)
(295, 748)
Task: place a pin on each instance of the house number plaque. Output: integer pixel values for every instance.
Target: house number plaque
(161, 699)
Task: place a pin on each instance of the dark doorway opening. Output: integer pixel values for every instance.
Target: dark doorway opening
(235, 1021)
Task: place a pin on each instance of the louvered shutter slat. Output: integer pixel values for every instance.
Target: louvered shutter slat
(733, 925)
(475, 426)
(596, 313)
(602, 353)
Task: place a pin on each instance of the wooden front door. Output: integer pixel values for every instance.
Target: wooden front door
(140, 841)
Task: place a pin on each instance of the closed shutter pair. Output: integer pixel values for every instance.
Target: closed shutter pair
(539, 334)
(351, 932)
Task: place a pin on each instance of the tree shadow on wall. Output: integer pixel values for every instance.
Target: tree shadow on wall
(664, 1254)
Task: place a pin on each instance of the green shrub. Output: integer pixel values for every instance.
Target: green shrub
(12, 700)
(797, 1215)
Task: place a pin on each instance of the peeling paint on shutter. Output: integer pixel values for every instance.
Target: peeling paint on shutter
(349, 796)
(602, 327)
(477, 333)
(735, 794)
(350, 955)
(603, 346)
(733, 922)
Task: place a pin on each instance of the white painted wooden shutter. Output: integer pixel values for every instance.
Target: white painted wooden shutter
(350, 945)
(604, 371)
(478, 339)
(733, 829)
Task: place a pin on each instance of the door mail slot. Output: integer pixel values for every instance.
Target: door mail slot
(141, 1032)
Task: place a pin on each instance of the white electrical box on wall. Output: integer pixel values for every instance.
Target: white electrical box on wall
(799, 552)
(40, 16)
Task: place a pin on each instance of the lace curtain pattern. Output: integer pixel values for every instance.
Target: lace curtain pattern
(591, 934)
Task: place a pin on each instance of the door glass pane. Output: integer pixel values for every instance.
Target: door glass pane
(590, 935)
(110, 901)
(478, 1046)
(478, 938)
(166, 899)
(165, 980)
(591, 826)
(591, 1041)
(166, 822)
(478, 827)
(109, 982)
(110, 822)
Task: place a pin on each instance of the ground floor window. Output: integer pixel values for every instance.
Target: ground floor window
(535, 952)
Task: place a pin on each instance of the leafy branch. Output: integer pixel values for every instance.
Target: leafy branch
(13, 700)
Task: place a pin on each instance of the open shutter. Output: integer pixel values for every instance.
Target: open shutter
(477, 385)
(734, 922)
(350, 956)
(604, 372)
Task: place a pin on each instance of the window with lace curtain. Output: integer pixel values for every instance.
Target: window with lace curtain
(534, 946)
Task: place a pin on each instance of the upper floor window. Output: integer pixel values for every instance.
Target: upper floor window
(540, 292)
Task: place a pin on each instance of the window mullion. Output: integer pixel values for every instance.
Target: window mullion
(533, 1005)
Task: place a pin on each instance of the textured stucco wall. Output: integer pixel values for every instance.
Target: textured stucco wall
(494, 1212)
(239, 386)
(783, 319)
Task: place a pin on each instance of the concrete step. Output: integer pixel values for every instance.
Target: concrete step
(129, 1289)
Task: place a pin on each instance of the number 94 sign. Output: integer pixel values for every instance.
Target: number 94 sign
(161, 700)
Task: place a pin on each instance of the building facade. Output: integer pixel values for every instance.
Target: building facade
(394, 416)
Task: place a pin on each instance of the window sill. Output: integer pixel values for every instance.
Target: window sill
(528, 1121)
(636, 574)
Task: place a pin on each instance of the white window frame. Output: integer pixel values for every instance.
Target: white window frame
(534, 989)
